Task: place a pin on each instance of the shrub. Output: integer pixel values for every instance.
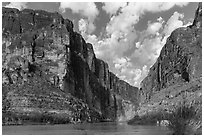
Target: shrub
(148, 118)
(180, 118)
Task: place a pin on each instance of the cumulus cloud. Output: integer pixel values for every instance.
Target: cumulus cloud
(127, 71)
(174, 22)
(86, 9)
(129, 15)
(153, 28)
(148, 51)
(17, 5)
(112, 7)
(121, 37)
(121, 62)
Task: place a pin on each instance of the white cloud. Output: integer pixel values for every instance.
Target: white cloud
(160, 19)
(153, 28)
(162, 6)
(128, 72)
(131, 13)
(140, 76)
(83, 26)
(121, 37)
(121, 62)
(112, 47)
(86, 9)
(18, 5)
(148, 52)
(174, 22)
(113, 7)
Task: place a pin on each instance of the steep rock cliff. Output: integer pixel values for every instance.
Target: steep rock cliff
(175, 79)
(41, 47)
(180, 59)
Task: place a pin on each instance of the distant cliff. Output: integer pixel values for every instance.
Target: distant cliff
(49, 69)
(176, 77)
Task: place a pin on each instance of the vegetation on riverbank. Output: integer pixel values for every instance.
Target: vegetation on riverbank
(11, 118)
(148, 119)
(180, 120)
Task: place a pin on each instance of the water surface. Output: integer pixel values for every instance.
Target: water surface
(104, 128)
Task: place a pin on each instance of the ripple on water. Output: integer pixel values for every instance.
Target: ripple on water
(104, 128)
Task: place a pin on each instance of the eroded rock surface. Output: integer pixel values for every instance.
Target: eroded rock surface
(176, 77)
(42, 57)
(180, 59)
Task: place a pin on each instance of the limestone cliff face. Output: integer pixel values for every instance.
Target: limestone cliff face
(176, 77)
(180, 59)
(41, 47)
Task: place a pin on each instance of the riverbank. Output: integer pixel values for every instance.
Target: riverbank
(101, 128)
(181, 104)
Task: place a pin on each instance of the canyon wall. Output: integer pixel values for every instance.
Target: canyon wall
(175, 79)
(45, 62)
(180, 59)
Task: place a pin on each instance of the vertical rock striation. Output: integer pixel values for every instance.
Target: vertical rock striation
(175, 80)
(180, 59)
(41, 47)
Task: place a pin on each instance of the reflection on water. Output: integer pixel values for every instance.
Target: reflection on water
(108, 128)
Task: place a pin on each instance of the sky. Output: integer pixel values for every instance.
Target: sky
(128, 36)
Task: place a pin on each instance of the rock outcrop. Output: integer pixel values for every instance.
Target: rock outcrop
(45, 64)
(176, 77)
(180, 59)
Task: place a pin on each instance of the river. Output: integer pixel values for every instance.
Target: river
(105, 128)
